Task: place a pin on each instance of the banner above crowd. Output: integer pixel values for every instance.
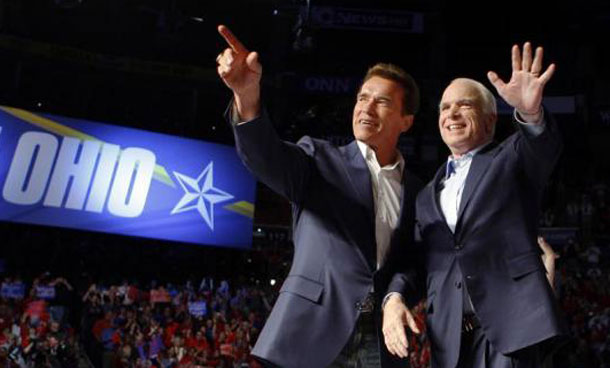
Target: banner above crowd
(74, 173)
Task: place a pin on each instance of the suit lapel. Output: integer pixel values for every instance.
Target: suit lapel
(478, 167)
(409, 190)
(436, 186)
(360, 179)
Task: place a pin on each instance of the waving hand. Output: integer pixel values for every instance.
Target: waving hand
(525, 88)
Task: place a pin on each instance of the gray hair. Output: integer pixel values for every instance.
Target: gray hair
(489, 101)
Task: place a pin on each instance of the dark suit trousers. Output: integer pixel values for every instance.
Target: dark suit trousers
(477, 352)
(362, 349)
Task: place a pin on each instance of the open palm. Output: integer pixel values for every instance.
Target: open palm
(525, 88)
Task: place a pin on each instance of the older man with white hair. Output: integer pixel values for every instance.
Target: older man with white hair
(489, 303)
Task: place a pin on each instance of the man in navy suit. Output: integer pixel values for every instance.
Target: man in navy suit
(353, 215)
(488, 301)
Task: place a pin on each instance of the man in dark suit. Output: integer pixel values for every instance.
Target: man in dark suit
(488, 301)
(353, 214)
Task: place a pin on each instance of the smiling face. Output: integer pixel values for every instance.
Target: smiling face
(463, 122)
(379, 116)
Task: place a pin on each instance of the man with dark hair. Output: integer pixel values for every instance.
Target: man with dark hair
(410, 98)
(353, 215)
(489, 303)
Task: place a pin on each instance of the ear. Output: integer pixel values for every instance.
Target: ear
(407, 123)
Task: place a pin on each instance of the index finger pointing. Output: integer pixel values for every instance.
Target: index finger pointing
(233, 41)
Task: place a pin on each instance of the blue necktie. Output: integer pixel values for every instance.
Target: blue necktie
(450, 169)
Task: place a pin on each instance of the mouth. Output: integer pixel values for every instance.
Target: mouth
(367, 122)
(455, 127)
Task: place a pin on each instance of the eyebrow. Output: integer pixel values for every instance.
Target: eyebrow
(379, 97)
(459, 102)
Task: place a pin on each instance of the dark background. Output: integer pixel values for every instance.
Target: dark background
(150, 64)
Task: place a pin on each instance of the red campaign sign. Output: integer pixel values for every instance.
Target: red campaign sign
(36, 308)
(226, 350)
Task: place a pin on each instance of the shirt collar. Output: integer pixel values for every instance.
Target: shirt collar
(456, 163)
(369, 156)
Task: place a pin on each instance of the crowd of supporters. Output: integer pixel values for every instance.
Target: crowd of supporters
(125, 325)
(33, 332)
(210, 323)
(583, 288)
(173, 326)
(583, 278)
(583, 205)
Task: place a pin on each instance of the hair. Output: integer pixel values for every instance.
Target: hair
(488, 99)
(410, 100)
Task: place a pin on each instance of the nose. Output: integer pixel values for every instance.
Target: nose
(368, 106)
(454, 110)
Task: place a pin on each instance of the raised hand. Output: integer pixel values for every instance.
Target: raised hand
(241, 71)
(525, 89)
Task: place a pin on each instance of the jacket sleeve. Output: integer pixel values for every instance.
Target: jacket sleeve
(284, 167)
(539, 154)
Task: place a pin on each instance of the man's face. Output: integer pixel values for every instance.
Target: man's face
(378, 115)
(462, 121)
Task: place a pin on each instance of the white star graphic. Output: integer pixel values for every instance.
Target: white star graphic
(200, 194)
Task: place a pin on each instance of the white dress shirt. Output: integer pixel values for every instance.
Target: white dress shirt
(387, 194)
(453, 186)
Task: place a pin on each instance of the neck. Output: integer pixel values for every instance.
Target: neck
(386, 157)
(459, 152)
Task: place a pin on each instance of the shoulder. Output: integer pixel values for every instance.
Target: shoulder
(321, 146)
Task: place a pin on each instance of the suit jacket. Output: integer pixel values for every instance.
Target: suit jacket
(494, 250)
(334, 264)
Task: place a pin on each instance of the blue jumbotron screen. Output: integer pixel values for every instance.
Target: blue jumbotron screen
(73, 173)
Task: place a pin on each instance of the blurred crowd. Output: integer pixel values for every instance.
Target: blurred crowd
(167, 325)
(32, 328)
(583, 288)
(582, 205)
